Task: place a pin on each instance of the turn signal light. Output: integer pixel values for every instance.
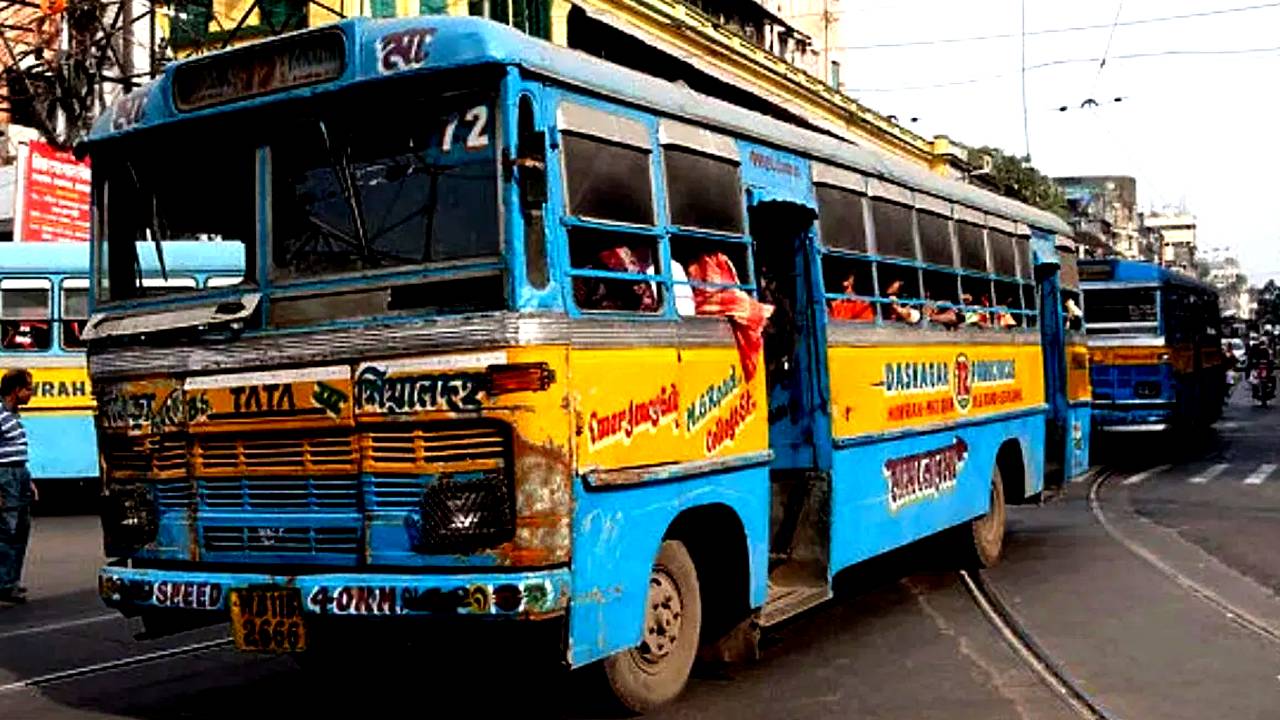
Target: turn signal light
(520, 377)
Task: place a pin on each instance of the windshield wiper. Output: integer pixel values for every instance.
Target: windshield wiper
(342, 168)
(153, 230)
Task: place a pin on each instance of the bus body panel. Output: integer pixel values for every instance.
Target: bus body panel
(616, 537)
(886, 494)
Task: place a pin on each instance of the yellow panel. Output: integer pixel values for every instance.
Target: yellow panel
(61, 388)
(886, 388)
(278, 399)
(651, 406)
(1079, 386)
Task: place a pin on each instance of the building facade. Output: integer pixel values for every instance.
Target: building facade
(1104, 214)
(1174, 236)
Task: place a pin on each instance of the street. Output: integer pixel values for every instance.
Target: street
(1148, 589)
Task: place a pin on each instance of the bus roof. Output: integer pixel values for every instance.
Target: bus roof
(1096, 272)
(328, 58)
(40, 258)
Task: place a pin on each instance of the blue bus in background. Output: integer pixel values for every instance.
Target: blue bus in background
(44, 304)
(1155, 347)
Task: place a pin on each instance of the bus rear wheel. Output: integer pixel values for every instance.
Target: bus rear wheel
(655, 672)
(986, 532)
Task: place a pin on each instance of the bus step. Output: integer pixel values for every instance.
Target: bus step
(785, 601)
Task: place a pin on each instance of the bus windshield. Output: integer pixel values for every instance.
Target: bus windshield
(419, 188)
(349, 194)
(1121, 310)
(147, 196)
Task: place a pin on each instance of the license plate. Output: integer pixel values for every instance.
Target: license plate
(268, 620)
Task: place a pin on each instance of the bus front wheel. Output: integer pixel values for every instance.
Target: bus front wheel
(986, 532)
(655, 672)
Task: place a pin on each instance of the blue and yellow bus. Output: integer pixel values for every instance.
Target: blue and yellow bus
(44, 305)
(525, 337)
(1155, 347)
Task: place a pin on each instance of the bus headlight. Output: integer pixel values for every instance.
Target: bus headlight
(130, 519)
(462, 515)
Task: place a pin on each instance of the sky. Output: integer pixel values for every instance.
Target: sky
(1197, 123)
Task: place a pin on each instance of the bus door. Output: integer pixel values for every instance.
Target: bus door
(799, 416)
(1054, 349)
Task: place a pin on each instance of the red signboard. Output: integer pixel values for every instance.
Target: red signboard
(52, 202)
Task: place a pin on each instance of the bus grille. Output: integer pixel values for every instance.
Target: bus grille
(145, 457)
(436, 448)
(272, 494)
(235, 455)
(173, 494)
(282, 541)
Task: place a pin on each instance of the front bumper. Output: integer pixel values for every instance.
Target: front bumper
(1132, 417)
(531, 595)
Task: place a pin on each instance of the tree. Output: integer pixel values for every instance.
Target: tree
(1015, 177)
(1269, 303)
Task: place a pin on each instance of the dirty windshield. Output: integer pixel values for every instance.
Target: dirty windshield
(355, 193)
(146, 200)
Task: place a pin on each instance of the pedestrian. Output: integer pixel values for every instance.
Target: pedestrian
(17, 490)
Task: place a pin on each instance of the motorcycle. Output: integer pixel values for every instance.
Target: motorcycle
(1263, 384)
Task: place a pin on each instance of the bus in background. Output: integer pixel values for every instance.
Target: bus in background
(1156, 360)
(560, 345)
(44, 305)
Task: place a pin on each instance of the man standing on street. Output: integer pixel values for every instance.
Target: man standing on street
(17, 490)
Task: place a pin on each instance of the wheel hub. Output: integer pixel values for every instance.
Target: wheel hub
(664, 615)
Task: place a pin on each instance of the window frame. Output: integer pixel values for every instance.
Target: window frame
(28, 284)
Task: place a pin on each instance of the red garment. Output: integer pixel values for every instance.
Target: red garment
(853, 309)
(747, 316)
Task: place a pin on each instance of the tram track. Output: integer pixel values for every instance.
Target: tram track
(1015, 635)
(110, 666)
(1240, 617)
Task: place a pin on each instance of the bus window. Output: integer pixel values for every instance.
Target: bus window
(1008, 304)
(150, 197)
(899, 293)
(170, 282)
(849, 285)
(221, 281)
(74, 312)
(1022, 247)
(935, 239)
(892, 222)
(702, 191)
(840, 219)
(607, 182)
(973, 247)
(604, 254)
(25, 315)
(1003, 256)
(423, 189)
(942, 295)
(975, 298)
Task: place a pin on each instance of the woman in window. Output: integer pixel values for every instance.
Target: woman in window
(852, 308)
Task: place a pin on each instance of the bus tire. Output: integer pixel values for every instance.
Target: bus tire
(655, 672)
(986, 532)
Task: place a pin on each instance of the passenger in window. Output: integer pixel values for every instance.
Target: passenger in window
(1075, 317)
(972, 316)
(626, 295)
(747, 316)
(1005, 318)
(897, 311)
(25, 336)
(852, 308)
(946, 317)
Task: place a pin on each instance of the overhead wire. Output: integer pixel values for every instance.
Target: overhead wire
(1069, 29)
(1068, 61)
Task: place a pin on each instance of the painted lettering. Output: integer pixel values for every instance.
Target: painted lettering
(187, 595)
(380, 391)
(710, 400)
(404, 50)
(725, 429)
(624, 423)
(924, 475)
